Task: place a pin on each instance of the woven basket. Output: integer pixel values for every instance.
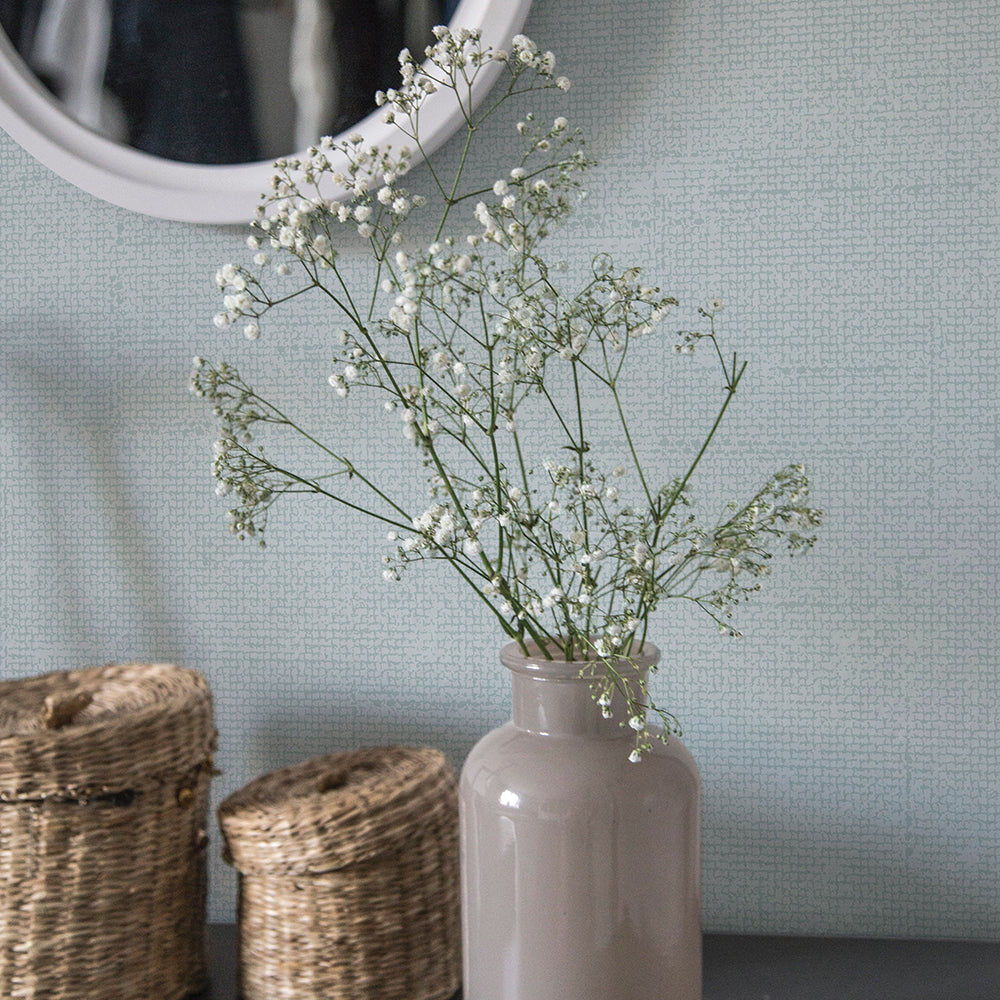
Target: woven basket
(104, 777)
(348, 878)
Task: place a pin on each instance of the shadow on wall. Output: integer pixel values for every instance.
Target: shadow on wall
(77, 563)
(290, 737)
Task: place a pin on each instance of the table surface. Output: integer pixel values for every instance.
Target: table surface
(744, 967)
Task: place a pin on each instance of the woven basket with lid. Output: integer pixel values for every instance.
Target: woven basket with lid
(104, 776)
(348, 878)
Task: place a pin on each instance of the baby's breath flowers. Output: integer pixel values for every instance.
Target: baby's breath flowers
(499, 375)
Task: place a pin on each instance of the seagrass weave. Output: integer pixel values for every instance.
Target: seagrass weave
(104, 776)
(348, 878)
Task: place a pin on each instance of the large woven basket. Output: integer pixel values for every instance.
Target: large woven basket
(348, 878)
(104, 776)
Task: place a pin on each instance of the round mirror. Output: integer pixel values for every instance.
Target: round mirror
(177, 109)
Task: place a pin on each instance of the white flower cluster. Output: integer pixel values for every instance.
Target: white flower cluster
(482, 356)
(452, 62)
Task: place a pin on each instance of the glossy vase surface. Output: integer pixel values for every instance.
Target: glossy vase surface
(581, 871)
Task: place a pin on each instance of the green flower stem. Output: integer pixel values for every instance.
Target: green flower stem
(551, 568)
(312, 486)
(351, 313)
(581, 466)
(450, 199)
(508, 629)
(663, 514)
(557, 413)
(631, 444)
(349, 468)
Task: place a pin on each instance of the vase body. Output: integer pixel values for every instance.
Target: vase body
(581, 871)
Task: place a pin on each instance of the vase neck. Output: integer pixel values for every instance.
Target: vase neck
(556, 697)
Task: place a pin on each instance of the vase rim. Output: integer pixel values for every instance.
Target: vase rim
(536, 665)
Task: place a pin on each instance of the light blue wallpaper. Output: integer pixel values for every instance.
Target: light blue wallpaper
(831, 171)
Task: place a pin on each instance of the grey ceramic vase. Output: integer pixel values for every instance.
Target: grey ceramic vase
(581, 871)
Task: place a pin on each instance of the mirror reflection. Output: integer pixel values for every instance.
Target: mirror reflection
(218, 81)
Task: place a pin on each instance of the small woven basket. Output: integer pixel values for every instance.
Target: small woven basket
(348, 878)
(104, 776)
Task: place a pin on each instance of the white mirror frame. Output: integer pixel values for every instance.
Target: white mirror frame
(188, 192)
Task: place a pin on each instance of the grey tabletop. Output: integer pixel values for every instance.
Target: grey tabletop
(746, 967)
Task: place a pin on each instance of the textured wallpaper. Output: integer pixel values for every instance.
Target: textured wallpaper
(830, 171)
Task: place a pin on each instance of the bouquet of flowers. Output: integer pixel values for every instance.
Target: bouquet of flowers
(461, 336)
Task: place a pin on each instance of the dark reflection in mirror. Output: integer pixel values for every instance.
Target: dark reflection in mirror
(218, 81)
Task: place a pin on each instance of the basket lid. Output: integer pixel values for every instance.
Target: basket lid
(76, 734)
(334, 811)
